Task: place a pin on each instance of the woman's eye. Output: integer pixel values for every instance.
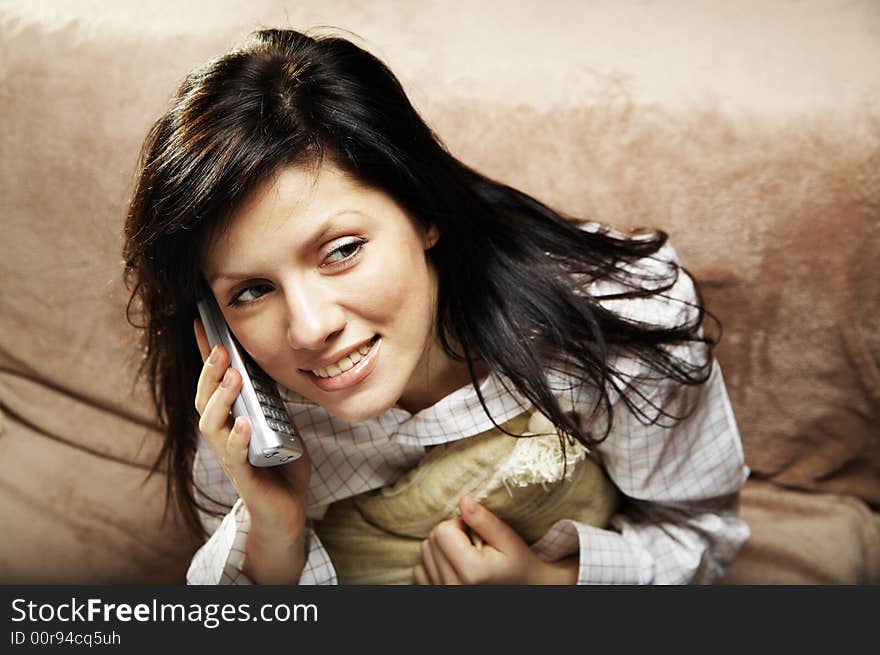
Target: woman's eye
(343, 253)
(250, 294)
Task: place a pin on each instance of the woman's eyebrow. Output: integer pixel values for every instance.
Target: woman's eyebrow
(325, 226)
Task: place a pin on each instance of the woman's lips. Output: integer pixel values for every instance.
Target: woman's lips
(354, 375)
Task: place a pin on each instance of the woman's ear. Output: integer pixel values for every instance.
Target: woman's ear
(432, 236)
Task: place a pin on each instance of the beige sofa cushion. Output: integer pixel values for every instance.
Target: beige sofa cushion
(801, 537)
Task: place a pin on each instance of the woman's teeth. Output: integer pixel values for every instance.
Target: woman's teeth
(343, 364)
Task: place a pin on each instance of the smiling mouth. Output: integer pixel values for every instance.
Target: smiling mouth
(346, 363)
(349, 371)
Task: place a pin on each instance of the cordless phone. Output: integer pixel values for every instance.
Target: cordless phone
(274, 438)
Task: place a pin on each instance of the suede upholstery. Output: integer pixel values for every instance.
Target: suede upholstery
(750, 133)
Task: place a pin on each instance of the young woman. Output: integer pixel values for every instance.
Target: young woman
(402, 300)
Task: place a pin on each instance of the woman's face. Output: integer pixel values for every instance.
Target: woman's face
(326, 284)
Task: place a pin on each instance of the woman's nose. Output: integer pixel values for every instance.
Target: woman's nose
(312, 319)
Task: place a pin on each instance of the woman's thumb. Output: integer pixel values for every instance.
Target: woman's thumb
(492, 529)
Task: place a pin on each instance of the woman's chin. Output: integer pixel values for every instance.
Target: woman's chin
(358, 412)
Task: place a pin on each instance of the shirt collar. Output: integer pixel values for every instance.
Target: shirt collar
(455, 416)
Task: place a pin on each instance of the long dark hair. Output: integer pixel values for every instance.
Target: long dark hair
(511, 271)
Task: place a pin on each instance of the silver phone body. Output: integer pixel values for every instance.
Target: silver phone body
(274, 438)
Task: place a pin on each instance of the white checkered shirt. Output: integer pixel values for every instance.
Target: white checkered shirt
(680, 524)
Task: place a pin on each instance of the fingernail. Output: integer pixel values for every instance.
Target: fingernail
(227, 379)
(467, 504)
(215, 355)
(238, 427)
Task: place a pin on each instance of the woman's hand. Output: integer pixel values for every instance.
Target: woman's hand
(449, 557)
(276, 496)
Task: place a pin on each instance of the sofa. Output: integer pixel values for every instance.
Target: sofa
(749, 131)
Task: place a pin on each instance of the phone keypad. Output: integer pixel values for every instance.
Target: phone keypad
(270, 402)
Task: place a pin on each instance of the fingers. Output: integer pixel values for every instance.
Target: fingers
(216, 361)
(215, 422)
(215, 412)
(201, 338)
(217, 390)
(447, 572)
(235, 457)
(435, 567)
(211, 376)
(445, 554)
(427, 564)
(489, 527)
(420, 576)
